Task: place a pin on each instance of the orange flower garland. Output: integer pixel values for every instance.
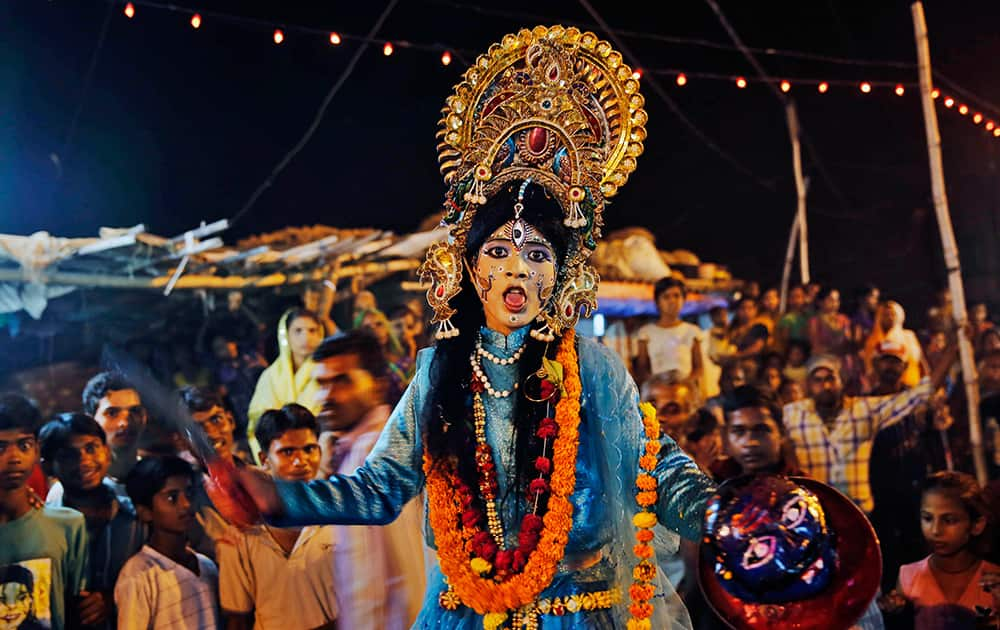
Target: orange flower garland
(485, 595)
(643, 589)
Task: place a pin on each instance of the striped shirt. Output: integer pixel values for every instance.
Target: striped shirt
(839, 454)
(153, 591)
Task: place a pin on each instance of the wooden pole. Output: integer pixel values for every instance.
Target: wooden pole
(948, 243)
(786, 273)
(800, 191)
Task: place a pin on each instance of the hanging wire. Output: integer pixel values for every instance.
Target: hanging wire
(535, 18)
(319, 114)
(658, 89)
(803, 136)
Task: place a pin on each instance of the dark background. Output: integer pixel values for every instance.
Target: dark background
(178, 126)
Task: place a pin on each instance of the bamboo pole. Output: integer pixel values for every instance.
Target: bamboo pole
(948, 243)
(786, 273)
(800, 191)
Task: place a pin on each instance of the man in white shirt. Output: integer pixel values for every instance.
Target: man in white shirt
(380, 571)
(670, 344)
(269, 577)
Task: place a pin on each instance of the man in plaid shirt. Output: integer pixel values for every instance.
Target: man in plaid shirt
(833, 433)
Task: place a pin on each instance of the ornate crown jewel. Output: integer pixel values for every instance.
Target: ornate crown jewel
(553, 105)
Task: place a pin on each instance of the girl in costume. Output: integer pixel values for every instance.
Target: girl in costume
(543, 476)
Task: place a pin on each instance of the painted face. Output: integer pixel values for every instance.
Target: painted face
(83, 463)
(18, 455)
(514, 283)
(753, 438)
(294, 455)
(346, 391)
(172, 510)
(218, 425)
(122, 416)
(946, 523)
(304, 334)
(771, 541)
(15, 604)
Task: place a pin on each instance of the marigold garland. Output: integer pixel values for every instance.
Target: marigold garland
(485, 595)
(642, 590)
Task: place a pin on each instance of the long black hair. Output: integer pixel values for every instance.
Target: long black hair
(449, 402)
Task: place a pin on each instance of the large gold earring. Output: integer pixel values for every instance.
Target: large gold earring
(443, 266)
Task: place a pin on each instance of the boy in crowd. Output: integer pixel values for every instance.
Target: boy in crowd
(118, 409)
(41, 548)
(754, 435)
(271, 577)
(166, 584)
(670, 344)
(209, 411)
(73, 449)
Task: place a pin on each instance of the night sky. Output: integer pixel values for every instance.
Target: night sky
(179, 126)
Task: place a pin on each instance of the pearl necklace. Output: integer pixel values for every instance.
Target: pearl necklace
(477, 369)
(486, 354)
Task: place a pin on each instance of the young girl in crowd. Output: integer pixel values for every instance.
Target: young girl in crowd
(954, 587)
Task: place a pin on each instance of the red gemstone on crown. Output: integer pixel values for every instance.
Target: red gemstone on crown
(537, 140)
(440, 291)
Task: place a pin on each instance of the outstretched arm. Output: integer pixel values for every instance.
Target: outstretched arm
(373, 495)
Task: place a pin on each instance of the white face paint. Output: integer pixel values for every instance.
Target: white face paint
(514, 284)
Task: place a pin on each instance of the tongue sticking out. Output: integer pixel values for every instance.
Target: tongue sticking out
(514, 300)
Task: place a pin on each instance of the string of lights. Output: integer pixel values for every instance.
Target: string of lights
(984, 114)
(521, 17)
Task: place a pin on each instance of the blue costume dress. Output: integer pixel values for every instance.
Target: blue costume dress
(601, 539)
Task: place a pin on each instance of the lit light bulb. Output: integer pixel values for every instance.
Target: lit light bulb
(682, 79)
(900, 90)
(996, 132)
(335, 39)
(963, 109)
(129, 11)
(935, 93)
(977, 118)
(785, 86)
(446, 58)
(196, 21)
(741, 82)
(637, 74)
(278, 36)
(990, 125)
(387, 49)
(949, 101)
(823, 87)
(866, 87)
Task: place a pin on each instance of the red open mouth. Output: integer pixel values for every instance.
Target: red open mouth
(515, 299)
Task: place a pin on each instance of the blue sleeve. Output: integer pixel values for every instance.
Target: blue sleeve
(376, 492)
(684, 490)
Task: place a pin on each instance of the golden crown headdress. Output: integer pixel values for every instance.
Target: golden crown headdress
(552, 104)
